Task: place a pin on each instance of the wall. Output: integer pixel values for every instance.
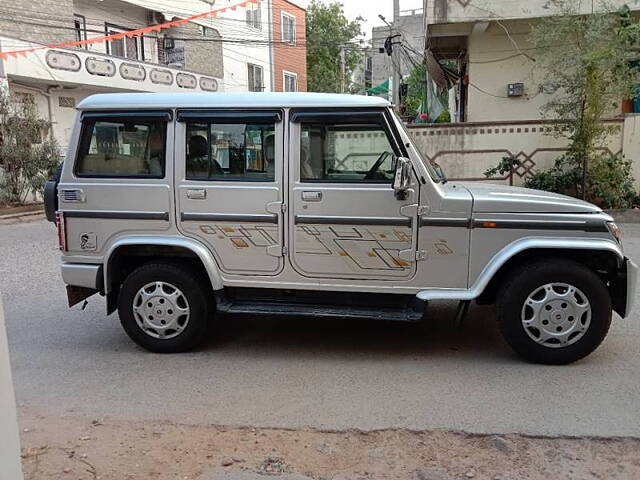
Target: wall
(631, 143)
(466, 150)
(454, 11)
(232, 25)
(292, 58)
(200, 56)
(17, 19)
(10, 450)
(115, 13)
(493, 64)
(205, 56)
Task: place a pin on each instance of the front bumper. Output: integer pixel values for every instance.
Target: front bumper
(623, 288)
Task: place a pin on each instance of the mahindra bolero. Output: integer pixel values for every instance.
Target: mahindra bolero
(178, 206)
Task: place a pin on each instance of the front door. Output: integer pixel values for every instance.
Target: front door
(347, 221)
(229, 186)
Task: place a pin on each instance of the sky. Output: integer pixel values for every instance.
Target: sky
(370, 9)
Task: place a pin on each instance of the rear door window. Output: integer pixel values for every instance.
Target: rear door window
(122, 148)
(231, 151)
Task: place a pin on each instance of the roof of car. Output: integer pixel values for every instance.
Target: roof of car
(147, 101)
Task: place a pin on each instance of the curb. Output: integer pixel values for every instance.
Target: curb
(13, 216)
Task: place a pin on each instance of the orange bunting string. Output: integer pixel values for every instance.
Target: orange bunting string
(128, 34)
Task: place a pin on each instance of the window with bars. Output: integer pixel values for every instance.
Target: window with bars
(255, 78)
(127, 47)
(253, 16)
(288, 28)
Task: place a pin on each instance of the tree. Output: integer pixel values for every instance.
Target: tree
(416, 90)
(26, 160)
(330, 37)
(589, 65)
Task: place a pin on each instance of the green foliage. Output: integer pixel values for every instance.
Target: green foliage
(329, 32)
(609, 183)
(416, 91)
(26, 160)
(588, 62)
(503, 167)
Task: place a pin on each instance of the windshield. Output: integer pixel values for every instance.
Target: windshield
(433, 168)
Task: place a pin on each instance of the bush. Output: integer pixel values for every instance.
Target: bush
(26, 160)
(609, 180)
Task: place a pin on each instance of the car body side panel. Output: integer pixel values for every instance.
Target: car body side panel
(511, 227)
(512, 249)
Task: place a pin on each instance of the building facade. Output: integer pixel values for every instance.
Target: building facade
(496, 104)
(487, 41)
(240, 49)
(289, 46)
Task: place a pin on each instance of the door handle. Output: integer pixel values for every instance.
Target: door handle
(311, 196)
(197, 194)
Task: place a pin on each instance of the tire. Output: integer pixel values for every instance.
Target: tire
(566, 331)
(160, 292)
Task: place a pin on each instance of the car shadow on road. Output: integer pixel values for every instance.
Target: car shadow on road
(438, 335)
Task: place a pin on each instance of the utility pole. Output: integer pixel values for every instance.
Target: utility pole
(343, 62)
(395, 58)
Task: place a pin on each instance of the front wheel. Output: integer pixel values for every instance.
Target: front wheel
(164, 308)
(554, 311)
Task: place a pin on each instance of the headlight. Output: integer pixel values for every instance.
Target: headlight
(615, 231)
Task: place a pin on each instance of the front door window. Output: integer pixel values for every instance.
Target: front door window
(345, 153)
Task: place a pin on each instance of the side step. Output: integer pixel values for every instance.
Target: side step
(402, 309)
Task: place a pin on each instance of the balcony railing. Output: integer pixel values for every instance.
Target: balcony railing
(75, 66)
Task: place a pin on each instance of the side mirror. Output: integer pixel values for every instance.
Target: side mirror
(440, 172)
(402, 178)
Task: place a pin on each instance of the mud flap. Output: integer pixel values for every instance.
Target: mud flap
(112, 300)
(77, 294)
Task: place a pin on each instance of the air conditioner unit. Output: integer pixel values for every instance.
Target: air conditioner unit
(154, 18)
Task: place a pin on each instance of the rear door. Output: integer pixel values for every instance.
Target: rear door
(229, 186)
(117, 180)
(348, 222)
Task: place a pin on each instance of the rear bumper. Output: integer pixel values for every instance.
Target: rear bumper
(623, 289)
(84, 275)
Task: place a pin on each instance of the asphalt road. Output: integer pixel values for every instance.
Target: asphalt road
(326, 375)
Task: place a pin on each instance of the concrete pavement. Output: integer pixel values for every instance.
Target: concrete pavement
(319, 374)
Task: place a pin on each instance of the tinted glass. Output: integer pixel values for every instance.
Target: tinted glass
(346, 153)
(233, 151)
(115, 148)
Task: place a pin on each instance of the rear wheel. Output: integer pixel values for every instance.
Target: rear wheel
(164, 307)
(554, 311)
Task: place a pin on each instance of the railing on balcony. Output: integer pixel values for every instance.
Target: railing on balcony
(132, 71)
(85, 67)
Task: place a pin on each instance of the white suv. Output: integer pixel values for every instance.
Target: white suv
(178, 205)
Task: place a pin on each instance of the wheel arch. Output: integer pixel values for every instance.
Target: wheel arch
(584, 250)
(153, 247)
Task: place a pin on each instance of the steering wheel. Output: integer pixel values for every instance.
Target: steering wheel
(374, 169)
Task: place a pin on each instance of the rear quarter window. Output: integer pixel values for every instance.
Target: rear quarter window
(122, 148)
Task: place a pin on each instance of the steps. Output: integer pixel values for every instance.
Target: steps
(317, 304)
